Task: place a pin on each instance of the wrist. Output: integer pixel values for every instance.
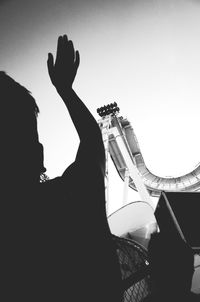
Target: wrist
(64, 90)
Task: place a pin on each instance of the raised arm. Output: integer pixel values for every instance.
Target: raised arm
(62, 73)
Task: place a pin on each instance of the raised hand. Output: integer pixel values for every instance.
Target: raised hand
(62, 72)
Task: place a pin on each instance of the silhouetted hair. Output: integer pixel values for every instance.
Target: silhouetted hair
(10, 88)
(19, 111)
(20, 145)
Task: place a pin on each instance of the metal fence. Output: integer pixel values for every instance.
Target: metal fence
(134, 269)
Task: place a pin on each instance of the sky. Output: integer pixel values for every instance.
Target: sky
(142, 54)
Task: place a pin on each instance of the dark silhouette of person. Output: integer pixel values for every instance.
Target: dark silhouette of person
(171, 269)
(21, 168)
(21, 150)
(57, 243)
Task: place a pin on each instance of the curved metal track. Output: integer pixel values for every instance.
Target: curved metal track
(153, 183)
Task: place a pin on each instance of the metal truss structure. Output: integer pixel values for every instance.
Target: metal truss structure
(122, 145)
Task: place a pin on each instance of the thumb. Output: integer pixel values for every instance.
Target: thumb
(50, 65)
(77, 60)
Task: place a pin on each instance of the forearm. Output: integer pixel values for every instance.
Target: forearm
(91, 148)
(83, 120)
(62, 74)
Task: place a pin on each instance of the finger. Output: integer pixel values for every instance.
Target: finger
(59, 50)
(77, 60)
(68, 51)
(50, 65)
(65, 42)
(65, 38)
(65, 51)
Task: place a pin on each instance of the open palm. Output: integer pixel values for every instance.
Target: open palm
(62, 72)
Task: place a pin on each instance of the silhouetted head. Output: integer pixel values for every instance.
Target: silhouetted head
(22, 154)
(171, 264)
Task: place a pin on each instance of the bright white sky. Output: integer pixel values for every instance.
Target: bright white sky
(143, 54)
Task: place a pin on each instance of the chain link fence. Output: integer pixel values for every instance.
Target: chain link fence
(134, 269)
